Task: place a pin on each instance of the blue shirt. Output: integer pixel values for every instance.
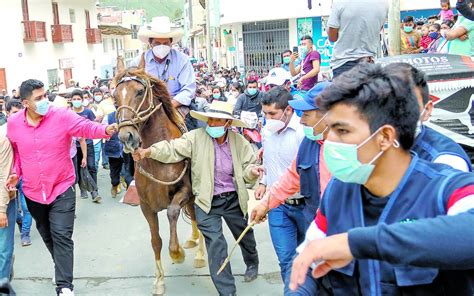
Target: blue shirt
(179, 76)
(88, 114)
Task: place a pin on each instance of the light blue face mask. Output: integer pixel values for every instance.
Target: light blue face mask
(303, 51)
(343, 163)
(215, 131)
(252, 91)
(42, 107)
(216, 96)
(77, 104)
(309, 131)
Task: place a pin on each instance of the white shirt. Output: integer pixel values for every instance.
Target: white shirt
(280, 149)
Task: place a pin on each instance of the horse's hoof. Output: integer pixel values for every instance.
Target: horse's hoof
(199, 263)
(178, 257)
(189, 244)
(158, 290)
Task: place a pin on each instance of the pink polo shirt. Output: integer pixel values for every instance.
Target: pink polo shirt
(42, 156)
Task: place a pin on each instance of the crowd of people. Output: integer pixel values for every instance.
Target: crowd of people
(341, 161)
(442, 33)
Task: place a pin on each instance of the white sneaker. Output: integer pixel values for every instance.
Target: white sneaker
(66, 292)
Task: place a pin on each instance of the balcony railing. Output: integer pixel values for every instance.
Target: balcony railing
(93, 36)
(34, 31)
(61, 33)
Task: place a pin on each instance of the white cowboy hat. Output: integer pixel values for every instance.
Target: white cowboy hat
(220, 110)
(160, 27)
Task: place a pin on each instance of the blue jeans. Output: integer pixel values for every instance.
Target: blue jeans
(97, 150)
(309, 288)
(24, 215)
(105, 158)
(287, 230)
(344, 68)
(7, 235)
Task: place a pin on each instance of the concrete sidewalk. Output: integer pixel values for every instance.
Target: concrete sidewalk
(113, 256)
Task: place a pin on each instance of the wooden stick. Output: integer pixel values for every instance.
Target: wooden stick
(226, 261)
(252, 224)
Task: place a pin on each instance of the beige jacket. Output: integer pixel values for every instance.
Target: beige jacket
(6, 162)
(198, 146)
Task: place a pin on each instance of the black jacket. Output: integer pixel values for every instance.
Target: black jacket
(245, 102)
(464, 9)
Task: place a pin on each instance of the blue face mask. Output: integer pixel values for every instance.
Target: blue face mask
(408, 29)
(303, 51)
(77, 104)
(252, 91)
(216, 96)
(309, 131)
(433, 35)
(215, 131)
(343, 163)
(42, 107)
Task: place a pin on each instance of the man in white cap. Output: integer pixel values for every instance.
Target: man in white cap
(222, 163)
(278, 77)
(166, 63)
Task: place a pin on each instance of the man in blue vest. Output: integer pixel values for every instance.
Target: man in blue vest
(307, 174)
(429, 144)
(372, 121)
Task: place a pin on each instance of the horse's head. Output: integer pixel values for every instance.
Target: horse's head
(138, 96)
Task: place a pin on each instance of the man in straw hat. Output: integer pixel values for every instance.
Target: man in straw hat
(166, 63)
(222, 162)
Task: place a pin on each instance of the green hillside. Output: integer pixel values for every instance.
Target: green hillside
(171, 8)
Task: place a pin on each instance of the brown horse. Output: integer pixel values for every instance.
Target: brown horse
(145, 115)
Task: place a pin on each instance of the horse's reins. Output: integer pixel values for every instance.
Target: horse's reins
(139, 118)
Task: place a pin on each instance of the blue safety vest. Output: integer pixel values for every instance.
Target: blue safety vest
(430, 144)
(423, 192)
(307, 165)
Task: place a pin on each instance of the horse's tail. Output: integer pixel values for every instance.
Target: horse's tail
(188, 210)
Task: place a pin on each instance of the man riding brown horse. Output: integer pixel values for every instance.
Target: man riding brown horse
(145, 115)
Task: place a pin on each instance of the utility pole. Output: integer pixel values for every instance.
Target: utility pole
(394, 27)
(208, 37)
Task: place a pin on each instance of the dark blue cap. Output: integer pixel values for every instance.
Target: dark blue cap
(308, 100)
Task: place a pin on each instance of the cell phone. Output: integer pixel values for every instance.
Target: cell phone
(295, 49)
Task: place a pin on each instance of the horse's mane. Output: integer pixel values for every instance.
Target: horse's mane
(160, 91)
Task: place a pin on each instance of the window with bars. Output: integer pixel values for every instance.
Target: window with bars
(263, 44)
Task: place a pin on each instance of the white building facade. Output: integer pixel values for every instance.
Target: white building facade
(53, 41)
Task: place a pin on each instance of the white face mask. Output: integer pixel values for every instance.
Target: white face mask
(85, 103)
(161, 51)
(274, 125)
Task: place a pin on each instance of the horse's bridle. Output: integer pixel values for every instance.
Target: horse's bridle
(138, 116)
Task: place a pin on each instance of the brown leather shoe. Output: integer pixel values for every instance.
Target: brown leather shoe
(115, 191)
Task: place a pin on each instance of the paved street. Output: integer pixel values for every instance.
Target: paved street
(113, 256)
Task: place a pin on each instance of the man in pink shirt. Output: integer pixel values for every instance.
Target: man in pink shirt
(41, 137)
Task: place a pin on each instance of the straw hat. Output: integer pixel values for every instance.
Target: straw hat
(220, 110)
(160, 27)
